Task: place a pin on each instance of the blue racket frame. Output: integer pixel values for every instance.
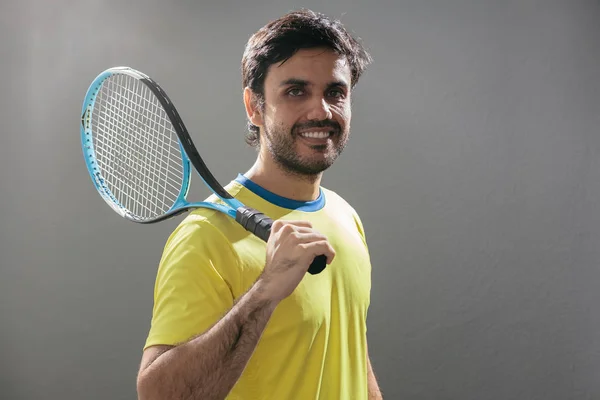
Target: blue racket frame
(181, 204)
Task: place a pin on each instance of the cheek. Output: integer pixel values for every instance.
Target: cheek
(277, 116)
(342, 113)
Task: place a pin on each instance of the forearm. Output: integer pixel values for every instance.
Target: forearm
(373, 387)
(208, 366)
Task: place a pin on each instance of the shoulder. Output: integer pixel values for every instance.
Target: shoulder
(198, 250)
(206, 226)
(341, 206)
(198, 232)
(335, 199)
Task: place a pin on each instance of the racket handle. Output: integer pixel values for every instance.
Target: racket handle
(260, 225)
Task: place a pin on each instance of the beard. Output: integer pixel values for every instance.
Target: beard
(282, 143)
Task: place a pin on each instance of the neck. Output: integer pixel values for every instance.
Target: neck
(267, 173)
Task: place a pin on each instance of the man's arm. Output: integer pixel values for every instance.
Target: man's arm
(373, 387)
(208, 366)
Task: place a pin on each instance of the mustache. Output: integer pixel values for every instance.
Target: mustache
(326, 123)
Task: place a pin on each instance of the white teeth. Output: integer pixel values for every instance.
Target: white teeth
(317, 135)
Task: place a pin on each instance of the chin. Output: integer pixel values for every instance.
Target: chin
(319, 162)
(307, 166)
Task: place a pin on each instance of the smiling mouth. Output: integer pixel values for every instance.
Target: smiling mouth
(316, 135)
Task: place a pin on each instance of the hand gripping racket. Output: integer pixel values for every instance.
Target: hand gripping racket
(138, 153)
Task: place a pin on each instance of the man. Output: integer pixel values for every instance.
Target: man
(237, 318)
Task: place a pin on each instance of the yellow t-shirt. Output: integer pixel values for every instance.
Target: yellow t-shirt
(314, 345)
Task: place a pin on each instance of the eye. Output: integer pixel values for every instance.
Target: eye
(336, 93)
(295, 92)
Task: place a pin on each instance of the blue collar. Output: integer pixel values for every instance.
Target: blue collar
(313, 205)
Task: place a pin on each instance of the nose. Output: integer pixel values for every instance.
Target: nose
(319, 110)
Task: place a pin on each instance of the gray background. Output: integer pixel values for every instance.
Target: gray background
(474, 164)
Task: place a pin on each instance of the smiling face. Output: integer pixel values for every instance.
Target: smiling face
(305, 118)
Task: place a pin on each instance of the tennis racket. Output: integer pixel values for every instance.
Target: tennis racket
(138, 153)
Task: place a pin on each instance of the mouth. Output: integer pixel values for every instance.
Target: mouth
(319, 138)
(316, 134)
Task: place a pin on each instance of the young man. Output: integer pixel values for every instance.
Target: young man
(237, 318)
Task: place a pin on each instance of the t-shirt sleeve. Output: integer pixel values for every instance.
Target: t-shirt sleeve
(360, 228)
(190, 293)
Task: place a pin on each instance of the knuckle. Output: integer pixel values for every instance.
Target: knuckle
(296, 235)
(277, 224)
(287, 229)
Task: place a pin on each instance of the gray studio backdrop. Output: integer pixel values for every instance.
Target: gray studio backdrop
(474, 163)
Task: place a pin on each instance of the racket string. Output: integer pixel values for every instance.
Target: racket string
(132, 139)
(136, 145)
(135, 137)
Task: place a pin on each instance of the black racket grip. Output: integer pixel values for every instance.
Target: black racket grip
(260, 225)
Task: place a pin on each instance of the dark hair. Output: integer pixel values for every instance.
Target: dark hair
(282, 38)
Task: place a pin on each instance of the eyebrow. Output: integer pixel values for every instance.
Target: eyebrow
(304, 82)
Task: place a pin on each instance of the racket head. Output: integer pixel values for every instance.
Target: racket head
(131, 148)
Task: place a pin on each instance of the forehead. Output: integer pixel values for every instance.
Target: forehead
(314, 65)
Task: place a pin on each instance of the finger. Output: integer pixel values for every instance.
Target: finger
(304, 229)
(306, 236)
(280, 224)
(288, 229)
(317, 248)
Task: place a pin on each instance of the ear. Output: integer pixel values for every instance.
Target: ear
(252, 108)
